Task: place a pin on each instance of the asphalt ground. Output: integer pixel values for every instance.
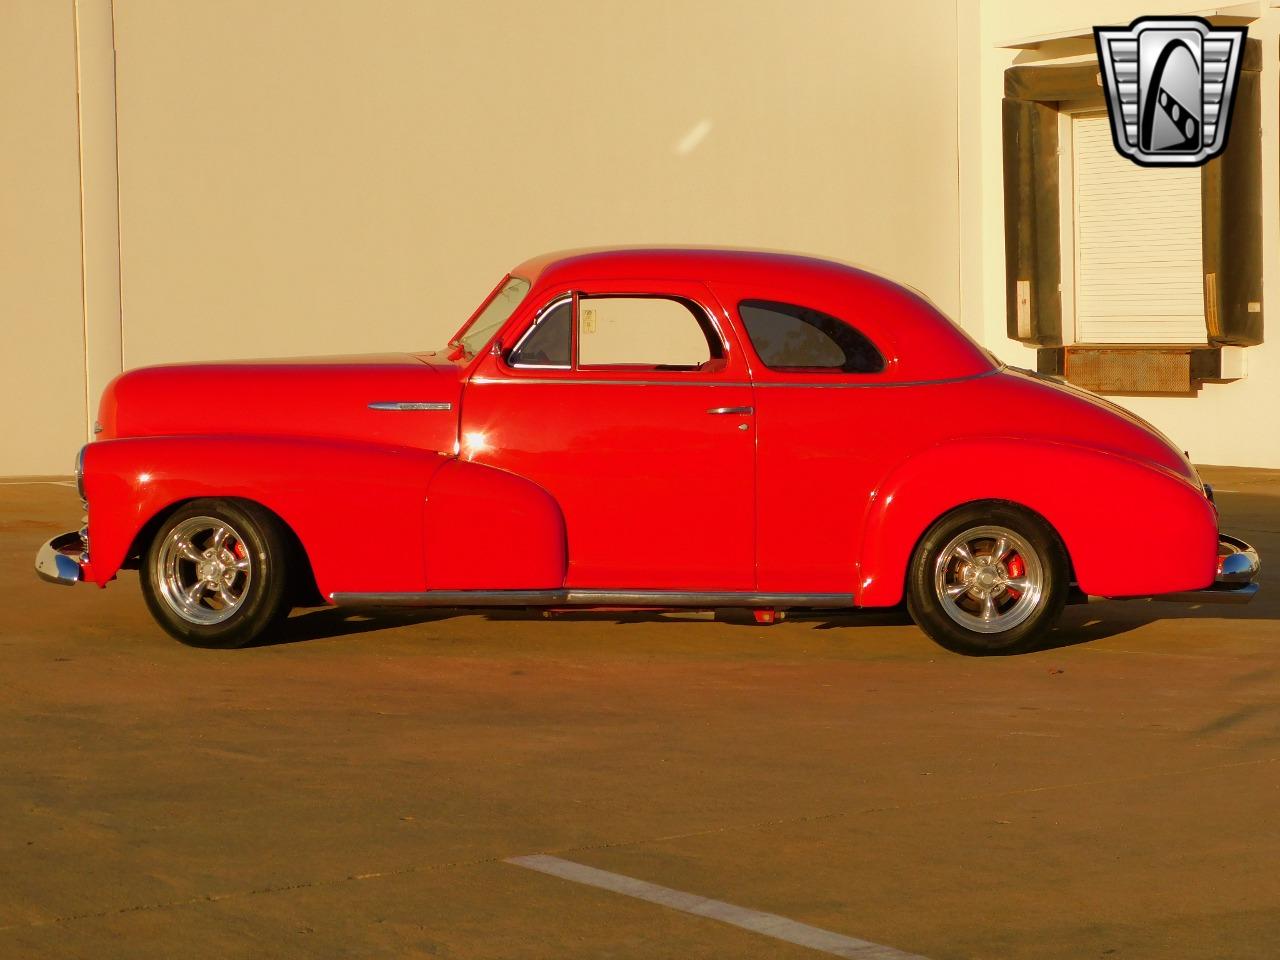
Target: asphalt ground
(356, 787)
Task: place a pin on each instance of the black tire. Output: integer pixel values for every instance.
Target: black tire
(249, 567)
(972, 606)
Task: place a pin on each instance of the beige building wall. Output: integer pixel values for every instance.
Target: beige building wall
(314, 177)
(317, 176)
(302, 177)
(42, 359)
(1227, 423)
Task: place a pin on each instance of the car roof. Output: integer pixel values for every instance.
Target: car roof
(700, 263)
(919, 341)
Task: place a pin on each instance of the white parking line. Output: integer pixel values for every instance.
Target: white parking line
(768, 924)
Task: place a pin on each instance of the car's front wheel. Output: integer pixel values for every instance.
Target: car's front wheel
(988, 578)
(215, 574)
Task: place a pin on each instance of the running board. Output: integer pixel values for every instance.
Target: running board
(590, 598)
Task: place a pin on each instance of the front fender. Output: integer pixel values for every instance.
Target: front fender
(1131, 528)
(357, 508)
(487, 529)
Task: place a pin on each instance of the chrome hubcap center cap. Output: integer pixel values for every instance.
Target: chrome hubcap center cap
(211, 569)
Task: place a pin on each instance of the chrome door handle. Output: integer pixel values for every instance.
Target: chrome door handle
(732, 411)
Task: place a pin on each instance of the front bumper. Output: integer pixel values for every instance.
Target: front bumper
(1236, 580)
(61, 560)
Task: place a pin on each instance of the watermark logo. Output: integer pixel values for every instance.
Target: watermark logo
(1169, 83)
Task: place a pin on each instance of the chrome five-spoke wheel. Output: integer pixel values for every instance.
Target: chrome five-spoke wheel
(988, 579)
(216, 572)
(205, 570)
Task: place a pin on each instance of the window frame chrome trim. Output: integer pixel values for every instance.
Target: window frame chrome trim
(483, 381)
(894, 383)
(684, 301)
(479, 380)
(574, 296)
(540, 316)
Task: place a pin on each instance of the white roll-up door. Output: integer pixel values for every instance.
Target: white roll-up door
(1138, 266)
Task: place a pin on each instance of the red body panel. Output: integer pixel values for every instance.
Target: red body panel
(830, 458)
(656, 492)
(319, 397)
(619, 479)
(518, 540)
(357, 508)
(1129, 529)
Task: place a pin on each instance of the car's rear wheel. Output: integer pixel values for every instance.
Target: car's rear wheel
(215, 575)
(988, 578)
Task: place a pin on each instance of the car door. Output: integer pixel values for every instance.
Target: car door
(631, 406)
(823, 432)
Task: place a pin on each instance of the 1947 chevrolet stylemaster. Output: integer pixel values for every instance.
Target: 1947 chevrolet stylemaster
(646, 428)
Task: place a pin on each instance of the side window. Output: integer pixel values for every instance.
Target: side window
(789, 337)
(656, 332)
(548, 342)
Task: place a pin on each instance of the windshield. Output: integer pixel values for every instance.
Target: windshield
(495, 313)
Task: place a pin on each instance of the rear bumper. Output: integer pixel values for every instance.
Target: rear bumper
(61, 560)
(1236, 580)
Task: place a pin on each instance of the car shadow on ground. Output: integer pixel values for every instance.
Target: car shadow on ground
(330, 622)
(1080, 623)
(1100, 618)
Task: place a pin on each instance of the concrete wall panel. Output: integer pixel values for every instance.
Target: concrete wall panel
(302, 177)
(42, 361)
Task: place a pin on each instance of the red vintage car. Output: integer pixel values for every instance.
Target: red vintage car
(646, 429)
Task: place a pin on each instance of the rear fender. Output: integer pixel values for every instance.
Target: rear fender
(1130, 528)
(357, 508)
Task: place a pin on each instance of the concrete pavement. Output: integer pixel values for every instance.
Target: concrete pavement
(354, 789)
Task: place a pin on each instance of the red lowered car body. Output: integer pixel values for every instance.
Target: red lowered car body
(646, 428)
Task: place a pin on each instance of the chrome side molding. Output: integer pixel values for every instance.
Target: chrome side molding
(576, 381)
(592, 598)
(409, 405)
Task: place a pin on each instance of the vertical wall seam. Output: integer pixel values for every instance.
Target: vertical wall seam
(99, 151)
(960, 301)
(115, 124)
(84, 280)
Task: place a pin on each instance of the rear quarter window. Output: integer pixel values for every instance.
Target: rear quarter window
(799, 339)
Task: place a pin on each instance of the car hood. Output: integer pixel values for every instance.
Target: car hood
(326, 397)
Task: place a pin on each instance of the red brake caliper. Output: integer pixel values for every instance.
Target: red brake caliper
(1015, 568)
